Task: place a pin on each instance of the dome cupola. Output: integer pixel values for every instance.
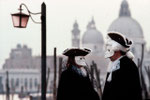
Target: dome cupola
(92, 35)
(124, 10)
(93, 39)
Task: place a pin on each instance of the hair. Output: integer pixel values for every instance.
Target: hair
(71, 61)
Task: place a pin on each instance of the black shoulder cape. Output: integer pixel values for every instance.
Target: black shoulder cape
(73, 86)
(125, 83)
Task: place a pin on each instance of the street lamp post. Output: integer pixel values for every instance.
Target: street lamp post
(20, 21)
(43, 60)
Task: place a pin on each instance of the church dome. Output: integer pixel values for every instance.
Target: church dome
(92, 35)
(125, 24)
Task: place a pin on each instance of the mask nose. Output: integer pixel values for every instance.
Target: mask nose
(109, 52)
(80, 61)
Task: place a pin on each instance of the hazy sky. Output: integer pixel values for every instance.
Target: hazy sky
(61, 14)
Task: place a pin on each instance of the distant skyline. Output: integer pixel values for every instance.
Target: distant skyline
(61, 15)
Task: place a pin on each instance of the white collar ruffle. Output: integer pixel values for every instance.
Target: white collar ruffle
(113, 66)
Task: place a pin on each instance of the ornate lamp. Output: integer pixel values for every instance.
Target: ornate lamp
(20, 19)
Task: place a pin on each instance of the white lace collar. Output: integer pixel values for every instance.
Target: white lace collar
(113, 66)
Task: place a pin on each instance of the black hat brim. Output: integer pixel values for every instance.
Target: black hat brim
(118, 37)
(76, 52)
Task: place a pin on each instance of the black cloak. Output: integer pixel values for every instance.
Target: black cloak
(73, 86)
(125, 83)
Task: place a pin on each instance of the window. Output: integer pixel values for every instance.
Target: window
(26, 83)
(12, 83)
(30, 83)
(35, 82)
(17, 82)
(1, 86)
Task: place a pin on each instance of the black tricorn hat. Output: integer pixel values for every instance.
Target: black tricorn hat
(76, 52)
(121, 39)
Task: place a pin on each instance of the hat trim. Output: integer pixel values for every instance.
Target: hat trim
(76, 52)
(127, 44)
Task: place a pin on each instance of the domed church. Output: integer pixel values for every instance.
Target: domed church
(128, 26)
(92, 38)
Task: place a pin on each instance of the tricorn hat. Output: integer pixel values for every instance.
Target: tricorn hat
(121, 39)
(76, 52)
(117, 41)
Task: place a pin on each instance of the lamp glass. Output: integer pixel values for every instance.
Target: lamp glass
(20, 20)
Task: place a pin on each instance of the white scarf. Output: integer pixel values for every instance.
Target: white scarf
(113, 66)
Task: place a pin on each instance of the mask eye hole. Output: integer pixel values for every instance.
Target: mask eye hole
(108, 49)
(81, 58)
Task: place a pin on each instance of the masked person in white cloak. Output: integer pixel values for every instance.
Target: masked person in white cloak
(122, 81)
(75, 83)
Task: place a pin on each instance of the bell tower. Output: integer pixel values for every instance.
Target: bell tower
(76, 35)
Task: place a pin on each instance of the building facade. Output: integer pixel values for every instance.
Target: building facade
(25, 71)
(20, 80)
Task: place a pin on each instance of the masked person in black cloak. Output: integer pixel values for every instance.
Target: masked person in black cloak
(122, 81)
(75, 83)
